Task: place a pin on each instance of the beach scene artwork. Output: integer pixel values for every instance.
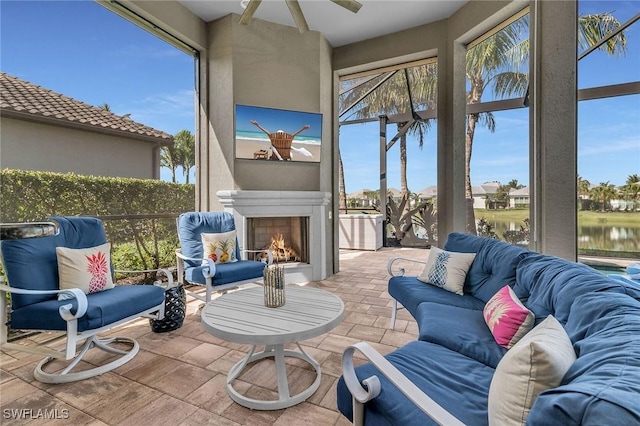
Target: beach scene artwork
(277, 135)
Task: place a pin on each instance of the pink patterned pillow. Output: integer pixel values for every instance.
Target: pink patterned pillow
(508, 319)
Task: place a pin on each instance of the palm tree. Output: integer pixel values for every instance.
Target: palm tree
(392, 98)
(170, 157)
(584, 187)
(497, 63)
(342, 204)
(603, 193)
(185, 144)
(631, 189)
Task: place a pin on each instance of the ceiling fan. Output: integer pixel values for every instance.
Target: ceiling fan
(296, 11)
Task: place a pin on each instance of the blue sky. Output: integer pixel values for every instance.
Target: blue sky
(103, 58)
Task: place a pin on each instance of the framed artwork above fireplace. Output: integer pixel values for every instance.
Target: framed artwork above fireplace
(277, 134)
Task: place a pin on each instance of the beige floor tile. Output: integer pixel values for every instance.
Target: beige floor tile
(165, 410)
(183, 380)
(207, 418)
(308, 415)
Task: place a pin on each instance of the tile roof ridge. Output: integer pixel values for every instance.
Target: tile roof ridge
(67, 108)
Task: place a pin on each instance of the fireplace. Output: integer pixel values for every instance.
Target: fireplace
(286, 237)
(305, 215)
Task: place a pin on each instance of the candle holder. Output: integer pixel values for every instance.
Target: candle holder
(273, 286)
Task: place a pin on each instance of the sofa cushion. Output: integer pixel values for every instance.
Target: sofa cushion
(227, 272)
(104, 307)
(494, 265)
(446, 269)
(460, 329)
(534, 364)
(507, 318)
(603, 384)
(462, 390)
(549, 285)
(410, 292)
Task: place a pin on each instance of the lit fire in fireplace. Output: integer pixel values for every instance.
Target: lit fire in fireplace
(280, 251)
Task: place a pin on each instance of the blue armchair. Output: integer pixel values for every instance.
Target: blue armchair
(31, 267)
(195, 269)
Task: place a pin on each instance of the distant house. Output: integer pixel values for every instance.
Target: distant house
(519, 198)
(428, 193)
(46, 131)
(482, 192)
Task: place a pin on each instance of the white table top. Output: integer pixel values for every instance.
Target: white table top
(241, 316)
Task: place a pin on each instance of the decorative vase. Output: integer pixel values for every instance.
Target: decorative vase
(273, 286)
(175, 306)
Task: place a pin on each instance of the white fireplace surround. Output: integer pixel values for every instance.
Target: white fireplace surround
(311, 204)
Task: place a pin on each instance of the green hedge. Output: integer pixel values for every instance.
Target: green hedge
(28, 196)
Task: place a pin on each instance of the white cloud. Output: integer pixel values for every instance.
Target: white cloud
(606, 147)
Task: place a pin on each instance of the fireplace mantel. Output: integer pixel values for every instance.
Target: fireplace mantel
(311, 204)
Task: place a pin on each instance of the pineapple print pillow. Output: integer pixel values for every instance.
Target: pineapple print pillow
(88, 269)
(221, 248)
(447, 269)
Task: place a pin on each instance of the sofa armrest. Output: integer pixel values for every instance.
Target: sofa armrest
(362, 394)
(400, 270)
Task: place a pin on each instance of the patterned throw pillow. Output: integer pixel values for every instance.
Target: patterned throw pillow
(447, 269)
(88, 269)
(536, 363)
(507, 318)
(221, 248)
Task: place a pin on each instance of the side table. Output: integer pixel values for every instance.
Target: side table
(241, 317)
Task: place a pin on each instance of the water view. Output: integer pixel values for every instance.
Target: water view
(600, 237)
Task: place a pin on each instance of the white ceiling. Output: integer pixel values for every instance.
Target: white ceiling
(339, 26)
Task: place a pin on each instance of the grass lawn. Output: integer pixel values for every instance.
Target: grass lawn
(584, 217)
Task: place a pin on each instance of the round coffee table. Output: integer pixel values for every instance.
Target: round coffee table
(241, 317)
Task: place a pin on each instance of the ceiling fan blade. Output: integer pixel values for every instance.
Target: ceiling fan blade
(249, 11)
(351, 5)
(298, 16)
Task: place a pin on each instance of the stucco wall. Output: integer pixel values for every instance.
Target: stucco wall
(266, 65)
(26, 145)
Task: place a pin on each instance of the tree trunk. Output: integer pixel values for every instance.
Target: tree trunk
(404, 187)
(342, 195)
(468, 191)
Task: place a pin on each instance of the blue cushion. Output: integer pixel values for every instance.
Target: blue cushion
(456, 382)
(104, 308)
(549, 285)
(33, 264)
(494, 266)
(603, 384)
(192, 224)
(411, 292)
(227, 272)
(460, 329)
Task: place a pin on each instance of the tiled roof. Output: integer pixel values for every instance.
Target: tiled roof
(27, 100)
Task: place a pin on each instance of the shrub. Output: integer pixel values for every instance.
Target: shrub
(139, 212)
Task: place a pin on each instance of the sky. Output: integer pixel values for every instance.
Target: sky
(103, 58)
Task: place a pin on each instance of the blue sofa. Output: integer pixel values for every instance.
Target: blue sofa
(447, 371)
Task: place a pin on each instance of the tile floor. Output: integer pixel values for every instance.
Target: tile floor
(178, 378)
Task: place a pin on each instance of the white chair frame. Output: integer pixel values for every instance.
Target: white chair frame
(210, 272)
(399, 273)
(74, 348)
(362, 394)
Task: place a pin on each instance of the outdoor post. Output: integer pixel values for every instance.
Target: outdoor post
(383, 177)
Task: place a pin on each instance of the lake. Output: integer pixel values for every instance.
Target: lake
(595, 237)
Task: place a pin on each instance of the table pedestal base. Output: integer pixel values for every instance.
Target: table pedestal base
(278, 352)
